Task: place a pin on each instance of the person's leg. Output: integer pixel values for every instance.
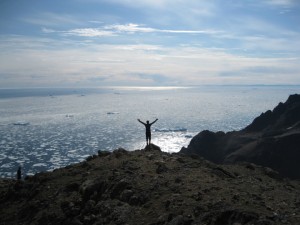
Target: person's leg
(148, 138)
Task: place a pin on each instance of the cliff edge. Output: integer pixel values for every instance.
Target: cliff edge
(151, 187)
(271, 140)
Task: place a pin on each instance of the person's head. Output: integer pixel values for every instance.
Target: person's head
(147, 121)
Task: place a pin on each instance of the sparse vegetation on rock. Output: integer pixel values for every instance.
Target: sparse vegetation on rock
(151, 187)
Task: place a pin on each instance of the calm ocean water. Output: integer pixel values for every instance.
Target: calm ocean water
(44, 129)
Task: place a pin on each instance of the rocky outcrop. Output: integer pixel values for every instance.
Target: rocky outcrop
(271, 140)
(284, 116)
(151, 187)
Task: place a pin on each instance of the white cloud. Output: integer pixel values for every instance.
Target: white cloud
(89, 32)
(131, 28)
(47, 30)
(259, 36)
(219, 47)
(120, 64)
(139, 47)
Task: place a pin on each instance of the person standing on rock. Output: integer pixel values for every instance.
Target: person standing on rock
(19, 173)
(148, 130)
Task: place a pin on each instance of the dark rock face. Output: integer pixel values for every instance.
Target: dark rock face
(271, 140)
(207, 141)
(151, 187)
(280, 153)
(283, 116)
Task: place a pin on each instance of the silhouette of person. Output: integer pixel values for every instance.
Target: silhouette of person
(19, 173)
(148, 130)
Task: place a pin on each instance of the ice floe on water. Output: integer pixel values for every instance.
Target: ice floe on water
(188, 136)
(112, 113)
(72, 151)
(2, 156)
(6, 165)
(21, 123)
(177, 129)
(40, 165)
(42, 133)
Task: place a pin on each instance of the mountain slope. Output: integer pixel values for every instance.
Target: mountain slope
(151, 187)
(272, 140)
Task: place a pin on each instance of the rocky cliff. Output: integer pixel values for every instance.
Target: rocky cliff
(151, 187)
(272, 140)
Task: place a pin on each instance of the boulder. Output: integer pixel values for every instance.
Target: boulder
(152, 147)
(90, 187)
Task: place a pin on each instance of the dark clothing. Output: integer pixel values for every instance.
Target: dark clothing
(19, 174)
(148, 130)
(148, 135)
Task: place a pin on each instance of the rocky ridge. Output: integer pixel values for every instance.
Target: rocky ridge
(151, 187)
(271, 140)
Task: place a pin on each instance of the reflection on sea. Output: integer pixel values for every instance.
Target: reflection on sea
(47, 131)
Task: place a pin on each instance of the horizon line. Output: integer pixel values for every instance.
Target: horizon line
(144, 86)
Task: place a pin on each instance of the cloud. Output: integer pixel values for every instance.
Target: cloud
(139, 47)
(256, 71)
(89, 32)
(155, 79)
(47, 30)
(251, 35)
(130, 28)
(151, 41)
(111, 64)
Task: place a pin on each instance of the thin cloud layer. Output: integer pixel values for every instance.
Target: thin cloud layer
(114, 30)
(101, 42)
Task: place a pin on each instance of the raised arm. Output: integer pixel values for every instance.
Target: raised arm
(153, 121)
(141, 122)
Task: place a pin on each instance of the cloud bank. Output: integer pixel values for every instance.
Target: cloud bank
(157, 42)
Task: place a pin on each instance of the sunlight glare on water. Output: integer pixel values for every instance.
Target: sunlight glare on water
(48, 128)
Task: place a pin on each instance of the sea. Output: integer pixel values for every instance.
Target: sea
(42, 129)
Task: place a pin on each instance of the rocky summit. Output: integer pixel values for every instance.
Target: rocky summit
(151, 187)
(271, 140)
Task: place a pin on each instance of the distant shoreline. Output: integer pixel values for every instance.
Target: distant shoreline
(59, 91)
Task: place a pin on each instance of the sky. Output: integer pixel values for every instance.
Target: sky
(95, 43)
